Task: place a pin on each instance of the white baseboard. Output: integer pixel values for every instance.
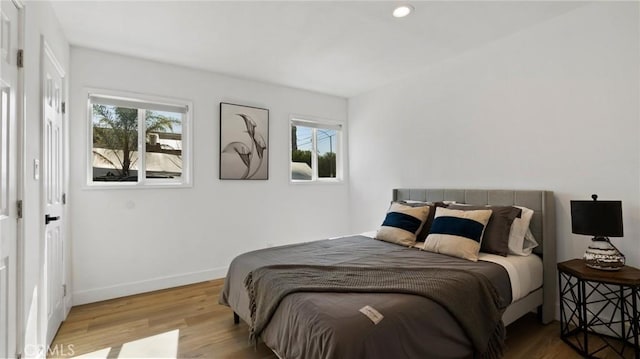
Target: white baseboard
(125, 289)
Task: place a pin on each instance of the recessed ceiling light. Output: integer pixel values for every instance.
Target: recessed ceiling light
(402, 10)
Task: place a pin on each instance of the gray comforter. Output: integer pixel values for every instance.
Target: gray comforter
(329, 325)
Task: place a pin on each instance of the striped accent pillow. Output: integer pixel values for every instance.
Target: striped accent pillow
(402, 224)
(457, 233)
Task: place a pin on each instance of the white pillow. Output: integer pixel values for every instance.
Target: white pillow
(529, 243)
(519, 229)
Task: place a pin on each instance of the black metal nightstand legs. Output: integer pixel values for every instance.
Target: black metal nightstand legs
(595, 316)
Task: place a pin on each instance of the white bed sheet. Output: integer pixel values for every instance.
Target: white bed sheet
(525, 272)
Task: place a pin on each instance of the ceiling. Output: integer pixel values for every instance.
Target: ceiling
(341, 48)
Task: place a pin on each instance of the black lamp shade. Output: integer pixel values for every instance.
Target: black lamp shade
(597, 218)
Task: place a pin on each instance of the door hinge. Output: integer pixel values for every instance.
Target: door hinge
(64, 198)
(20, 60)
(19, 207)
(64, 107)
(64, 290)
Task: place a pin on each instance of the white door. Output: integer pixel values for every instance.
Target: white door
(52, 184)
(8, 177)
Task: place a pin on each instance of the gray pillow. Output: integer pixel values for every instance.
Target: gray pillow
(424, 232)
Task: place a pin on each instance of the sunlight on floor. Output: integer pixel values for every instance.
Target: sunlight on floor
(98, 354)
(164, 345)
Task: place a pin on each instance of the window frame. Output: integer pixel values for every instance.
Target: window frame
(319, 123)
(185, 180)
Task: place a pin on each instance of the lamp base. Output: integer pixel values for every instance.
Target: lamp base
(603, 255)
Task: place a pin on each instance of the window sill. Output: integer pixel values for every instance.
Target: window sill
(319, 182)
(136, 186)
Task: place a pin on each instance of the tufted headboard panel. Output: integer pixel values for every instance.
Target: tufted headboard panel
(541, 202)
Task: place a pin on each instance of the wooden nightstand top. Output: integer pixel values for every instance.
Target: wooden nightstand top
(629, 276)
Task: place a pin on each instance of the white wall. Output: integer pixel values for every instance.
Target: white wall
(553, 107)
(40, 20)
(128, 241)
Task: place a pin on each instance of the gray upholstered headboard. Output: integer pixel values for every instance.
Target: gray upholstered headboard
(542, 224)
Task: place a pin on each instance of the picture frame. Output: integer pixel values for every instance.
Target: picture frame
(244, 142)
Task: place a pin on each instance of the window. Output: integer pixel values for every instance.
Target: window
(123, 127)
(315, 151)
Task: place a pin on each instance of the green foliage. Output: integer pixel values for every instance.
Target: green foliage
(301, 156)
(327, 165)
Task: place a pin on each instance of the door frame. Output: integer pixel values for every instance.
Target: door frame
(20, 185)
(47, 53)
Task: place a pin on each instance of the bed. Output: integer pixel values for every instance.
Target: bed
(330, 324)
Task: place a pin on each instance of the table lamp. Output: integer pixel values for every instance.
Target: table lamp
(600, 219)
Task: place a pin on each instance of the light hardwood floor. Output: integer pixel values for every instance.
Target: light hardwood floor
(188, 322)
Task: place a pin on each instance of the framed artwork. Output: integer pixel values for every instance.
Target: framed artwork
(244, 142)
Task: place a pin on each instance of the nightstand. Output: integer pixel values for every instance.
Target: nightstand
(599, 309)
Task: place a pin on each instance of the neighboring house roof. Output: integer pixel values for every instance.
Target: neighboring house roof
(300, 171)
(155, 161)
